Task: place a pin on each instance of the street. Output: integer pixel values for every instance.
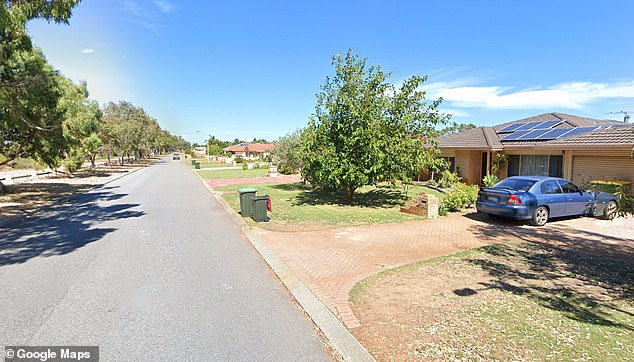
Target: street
(148, 267)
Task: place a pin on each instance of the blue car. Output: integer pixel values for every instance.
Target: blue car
(538, 198)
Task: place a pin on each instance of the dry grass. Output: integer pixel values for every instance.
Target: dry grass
(524, 301)
(27, 196)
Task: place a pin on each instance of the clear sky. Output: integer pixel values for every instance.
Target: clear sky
(245, 69)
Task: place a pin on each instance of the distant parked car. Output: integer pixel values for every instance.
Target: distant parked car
(176, 156)
(538, 198)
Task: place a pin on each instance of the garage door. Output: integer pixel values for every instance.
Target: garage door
(588, 168)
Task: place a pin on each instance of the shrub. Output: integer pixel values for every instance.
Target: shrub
(460, 196)
(285, 169)
(490, 180)
(448, 179)
(625, 200)
(74, 162)
(239, 159)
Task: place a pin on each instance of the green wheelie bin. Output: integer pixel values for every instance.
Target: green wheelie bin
(246, 205)
(260, 204)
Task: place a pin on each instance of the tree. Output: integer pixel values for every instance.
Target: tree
(455, 128)
(366, 130)
(215, 145)
(30, 121)
(30, 124)
(82, 118)
(287, 152)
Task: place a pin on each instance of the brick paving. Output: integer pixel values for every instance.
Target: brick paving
(331, 262)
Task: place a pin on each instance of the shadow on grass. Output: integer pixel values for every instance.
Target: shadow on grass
(379, 197)
(578, 273)
(65, 227)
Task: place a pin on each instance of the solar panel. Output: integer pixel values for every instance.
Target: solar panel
(554, 133)
(515, 135)
(579, 130)
(548, 124)
(533, 134)
(510, 128)
(528, 126)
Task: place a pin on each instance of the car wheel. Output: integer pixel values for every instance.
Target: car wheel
(610, 210)
(540, 216)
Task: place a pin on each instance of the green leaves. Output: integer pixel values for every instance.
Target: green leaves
(366, 130)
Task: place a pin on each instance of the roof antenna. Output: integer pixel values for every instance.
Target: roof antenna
(626, 115)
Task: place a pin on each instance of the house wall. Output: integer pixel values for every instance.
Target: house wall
(468, 163)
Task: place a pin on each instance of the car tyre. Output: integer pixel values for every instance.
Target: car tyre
(610, 210)
(540, 216)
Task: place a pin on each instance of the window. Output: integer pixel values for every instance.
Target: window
(569, 188)
(550, 187)
(451, 161)
(537, 165)
(515, 184)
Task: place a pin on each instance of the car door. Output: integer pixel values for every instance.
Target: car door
(553, 197)
(577, 203)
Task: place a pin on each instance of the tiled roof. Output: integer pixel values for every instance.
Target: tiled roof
(252, 147)
(569, 120)
(473, 138)
(623, 134)
(487, 137)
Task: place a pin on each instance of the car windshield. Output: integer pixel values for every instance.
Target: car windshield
(516, 184)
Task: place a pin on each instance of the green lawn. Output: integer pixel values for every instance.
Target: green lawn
(227, 174)
(211, 164)
(299, 207)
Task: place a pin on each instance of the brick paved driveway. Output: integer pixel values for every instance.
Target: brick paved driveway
(331, 261)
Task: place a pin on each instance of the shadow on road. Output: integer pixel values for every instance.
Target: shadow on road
(64, 228)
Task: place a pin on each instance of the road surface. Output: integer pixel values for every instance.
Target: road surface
(148, 267)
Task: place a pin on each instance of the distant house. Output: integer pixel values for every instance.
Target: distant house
(555, 144)
(200, 150)
(250, 150)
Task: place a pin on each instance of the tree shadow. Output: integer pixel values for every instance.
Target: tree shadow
(378, 197)
(582, 274)
(63, 228)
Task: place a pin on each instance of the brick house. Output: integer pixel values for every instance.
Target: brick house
(576, 148)
(250, 151)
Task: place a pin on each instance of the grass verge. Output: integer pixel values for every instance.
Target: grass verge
(229, 174)
(301, 207)
(525, 301)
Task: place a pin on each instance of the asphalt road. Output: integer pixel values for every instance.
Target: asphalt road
(148, 267)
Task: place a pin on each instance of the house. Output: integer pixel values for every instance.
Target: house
(554, 144)
(250, 150)
(200, 150)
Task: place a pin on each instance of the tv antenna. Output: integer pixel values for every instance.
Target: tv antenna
(626, 115)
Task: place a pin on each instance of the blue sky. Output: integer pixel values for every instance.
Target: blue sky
(245, 69)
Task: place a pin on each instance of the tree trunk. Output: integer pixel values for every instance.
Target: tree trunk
(349, 193)
(109, 163)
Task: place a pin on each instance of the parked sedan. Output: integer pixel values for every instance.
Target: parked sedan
(538, 198)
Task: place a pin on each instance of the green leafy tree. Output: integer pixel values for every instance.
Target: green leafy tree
(287, 154)
(366, 130)
(455, 128)
(91, 146)
(30, 124)
(81, 124)
(30, 121)
(215, 146)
